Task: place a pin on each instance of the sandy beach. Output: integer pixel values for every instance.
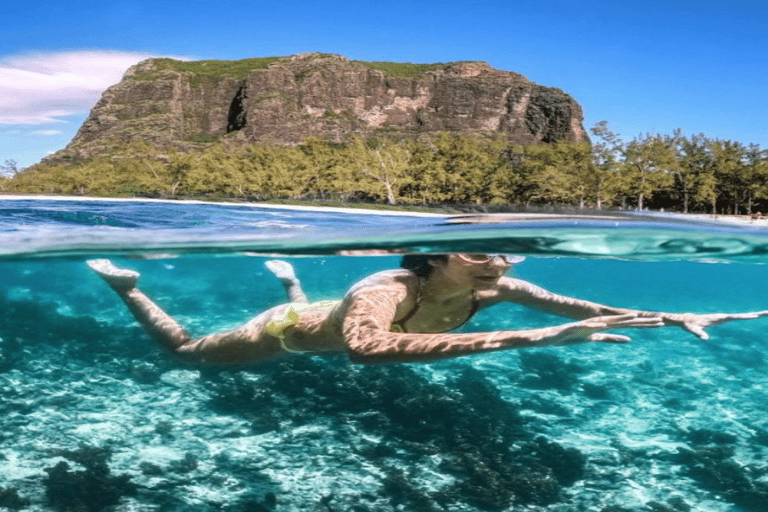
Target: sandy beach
(744, 220)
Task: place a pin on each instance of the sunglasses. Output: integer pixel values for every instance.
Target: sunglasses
(481, 259)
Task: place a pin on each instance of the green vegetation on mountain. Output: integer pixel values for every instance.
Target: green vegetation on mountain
(401, 69)
(241, 68)
(674, 172)
(212, 68)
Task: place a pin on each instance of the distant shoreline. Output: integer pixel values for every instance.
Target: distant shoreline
(360, 211)
(740, 220)
(731, 219)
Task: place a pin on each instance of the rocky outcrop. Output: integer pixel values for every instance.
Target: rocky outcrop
(284, 100)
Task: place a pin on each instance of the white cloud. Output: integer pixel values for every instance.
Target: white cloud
(47, 87)
(45, 133)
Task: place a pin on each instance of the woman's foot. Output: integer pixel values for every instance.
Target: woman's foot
(117, 278)
(282, 270)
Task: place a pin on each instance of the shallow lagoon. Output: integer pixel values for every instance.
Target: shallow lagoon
(93, 412)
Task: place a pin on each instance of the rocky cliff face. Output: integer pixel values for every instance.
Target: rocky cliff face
(284, 100)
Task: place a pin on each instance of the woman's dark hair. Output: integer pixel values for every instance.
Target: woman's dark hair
(419, 263)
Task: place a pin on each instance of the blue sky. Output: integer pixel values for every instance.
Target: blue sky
(644, 66)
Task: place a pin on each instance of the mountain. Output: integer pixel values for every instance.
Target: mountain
(284, 100)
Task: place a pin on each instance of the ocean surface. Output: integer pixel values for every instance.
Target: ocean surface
(95, 417)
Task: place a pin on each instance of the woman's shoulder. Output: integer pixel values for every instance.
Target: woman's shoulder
(506, 288)
(397, 276)
(395, 280)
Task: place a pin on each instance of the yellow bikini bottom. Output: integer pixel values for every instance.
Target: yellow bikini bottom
(290, 316)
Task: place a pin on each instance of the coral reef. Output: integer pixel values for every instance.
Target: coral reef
(92, 489)
(465, 422)
(713, 467)
(10, 500)
(544, 370)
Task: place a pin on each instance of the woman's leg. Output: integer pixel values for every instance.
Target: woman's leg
(155, 321)
(247, 344)
(284, 272)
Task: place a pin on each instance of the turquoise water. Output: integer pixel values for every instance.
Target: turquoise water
(95, 416)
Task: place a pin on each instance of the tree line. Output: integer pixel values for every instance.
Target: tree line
(672, 172)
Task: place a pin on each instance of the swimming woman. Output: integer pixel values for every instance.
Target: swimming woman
(401, 315)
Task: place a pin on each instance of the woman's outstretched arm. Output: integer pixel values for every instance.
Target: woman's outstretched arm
(530, 295)
(369, 312)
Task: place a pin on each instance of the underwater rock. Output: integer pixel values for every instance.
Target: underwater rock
(715, 471)
(487, 403)
(149, 469)
(596, 391)
(234, 393)
(90, 490)
(10, 500)
(498, 488)
(186, 465)
(655, 506)
(10, 351)
(165, 429)
(707, 436)
(541, 405)
(25, 325)
(544, 370)
(676, 504)
(760, 437)
(270, 500)
(252, 506)
(567, 464)
(402, 493)
(145, 373)
(265, 422)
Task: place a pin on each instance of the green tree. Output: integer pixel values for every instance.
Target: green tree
(562, 172)
(469, 168)
(544, 170)
(607, 149)
(386, 162)
(213, 172)
(589, 182)
(275, 171)
(731, 172)
(328, 171)
(500, 178)
(707, 190)
(176, 172)
(695, 163)
(757, 163)
(431, 181)
(649, 162)
(427, 172)
(9, 169)
(132, 177)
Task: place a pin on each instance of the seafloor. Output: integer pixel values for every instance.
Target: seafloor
(96, 418)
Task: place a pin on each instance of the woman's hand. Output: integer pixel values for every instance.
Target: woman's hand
(589, 329)
(695, 323)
